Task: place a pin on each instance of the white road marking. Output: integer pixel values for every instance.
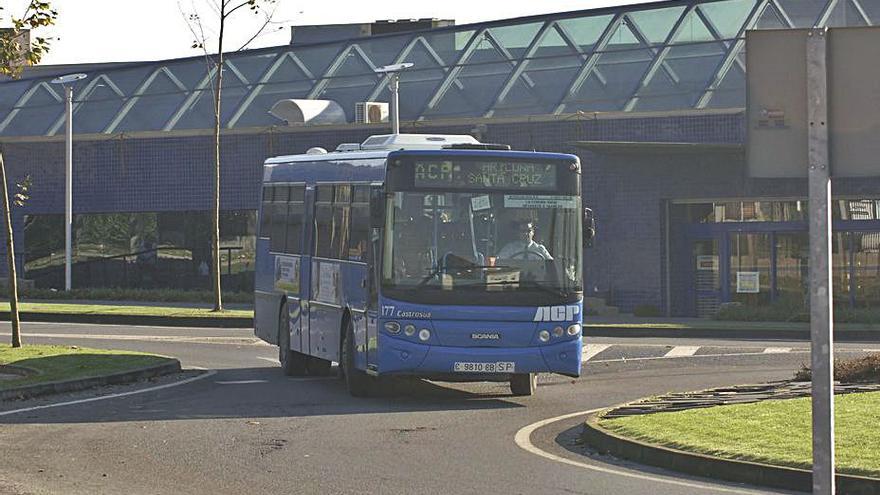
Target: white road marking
(682, 351)
(271, 360)
(870, 350)
(523, 440)
(240, 382)
(777, 350)
(734, 354)
(150, 338)
(591, 350)
(111, 396)
(311, 378)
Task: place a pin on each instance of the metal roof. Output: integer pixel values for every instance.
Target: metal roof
(660, 56)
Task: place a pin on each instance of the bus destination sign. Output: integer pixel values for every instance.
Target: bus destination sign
(485, 174)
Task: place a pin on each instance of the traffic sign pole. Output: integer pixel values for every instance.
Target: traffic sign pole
(821, 308)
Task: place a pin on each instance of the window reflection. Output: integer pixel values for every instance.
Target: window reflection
(153, 250)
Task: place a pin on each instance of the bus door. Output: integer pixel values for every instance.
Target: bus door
(331, 204)
(289, 266)
(306, 267)
(374, 264)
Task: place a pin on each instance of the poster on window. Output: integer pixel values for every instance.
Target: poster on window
(707, 262)
(287, 274)
(748, 282)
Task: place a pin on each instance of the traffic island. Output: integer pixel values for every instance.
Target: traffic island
(756, 434)
(36, 370)
(109, 314)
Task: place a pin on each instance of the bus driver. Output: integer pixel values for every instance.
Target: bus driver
(525, 246)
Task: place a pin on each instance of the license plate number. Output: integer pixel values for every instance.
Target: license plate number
(499, 367)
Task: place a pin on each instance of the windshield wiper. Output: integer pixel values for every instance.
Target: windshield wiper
(429, 277)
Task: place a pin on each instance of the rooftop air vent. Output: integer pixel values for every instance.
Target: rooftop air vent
(311, 112)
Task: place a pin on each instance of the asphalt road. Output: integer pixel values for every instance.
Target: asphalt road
(248, 429)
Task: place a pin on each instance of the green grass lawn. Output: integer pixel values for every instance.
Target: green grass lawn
(54, 363)
(773, 432)
(104, 309)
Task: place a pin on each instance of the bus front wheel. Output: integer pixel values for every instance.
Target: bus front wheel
(359, 384)
(292, 363)
(524, 383)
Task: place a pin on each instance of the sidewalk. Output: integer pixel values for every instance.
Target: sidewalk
(634, 326)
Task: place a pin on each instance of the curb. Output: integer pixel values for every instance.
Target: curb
(599, 330)
(30, 391)
(754, 473)
(145, 320)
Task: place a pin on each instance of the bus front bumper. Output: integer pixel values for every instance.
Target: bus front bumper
(399, 356)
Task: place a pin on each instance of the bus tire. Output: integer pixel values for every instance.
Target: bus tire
(524, 384)
(292, 363)
(359, 384)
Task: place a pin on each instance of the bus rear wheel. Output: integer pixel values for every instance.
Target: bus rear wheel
(523, 384)
(359, 383)
(292, 363)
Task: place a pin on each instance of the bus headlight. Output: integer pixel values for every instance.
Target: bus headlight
(544, 335)
(558, 331)
(424, 334)
(392, 327)
(409, 330)
(574, 329)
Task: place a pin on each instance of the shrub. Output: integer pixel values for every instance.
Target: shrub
(774, 312)
(865, 369)
(647, 310)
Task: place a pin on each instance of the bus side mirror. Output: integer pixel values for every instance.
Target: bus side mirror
(377, 208)
(589, 227)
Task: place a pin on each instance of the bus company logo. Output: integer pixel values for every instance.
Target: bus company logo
(556, 313)
(486, 336)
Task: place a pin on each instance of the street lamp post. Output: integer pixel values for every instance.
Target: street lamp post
(393, 72)
(67, 81)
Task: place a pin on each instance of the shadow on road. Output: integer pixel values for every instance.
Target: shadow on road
(262, 393)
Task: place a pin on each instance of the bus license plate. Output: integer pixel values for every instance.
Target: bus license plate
(499, 367)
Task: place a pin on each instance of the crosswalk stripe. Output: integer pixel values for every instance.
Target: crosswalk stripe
(591, 350)
(777, 350)
(682, 350)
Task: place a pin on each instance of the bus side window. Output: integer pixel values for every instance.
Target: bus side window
(360, 224)
(278, 225)
(323, 220)
(295, 212)
(266, 211)
(341, 224)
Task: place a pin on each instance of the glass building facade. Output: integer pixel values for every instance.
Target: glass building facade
(756, 253)
(660, 56)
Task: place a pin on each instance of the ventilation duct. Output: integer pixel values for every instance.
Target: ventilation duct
(308, 112)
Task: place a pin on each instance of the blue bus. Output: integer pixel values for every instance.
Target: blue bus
(427, 255)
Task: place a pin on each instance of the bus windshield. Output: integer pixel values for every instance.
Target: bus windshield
(485, 246)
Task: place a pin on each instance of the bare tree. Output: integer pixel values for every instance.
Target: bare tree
(221, 13)
(17, 50)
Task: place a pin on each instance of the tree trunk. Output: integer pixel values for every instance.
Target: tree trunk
(215, 223)
(10, 260)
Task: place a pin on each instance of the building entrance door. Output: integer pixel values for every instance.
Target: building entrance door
(707, 276)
